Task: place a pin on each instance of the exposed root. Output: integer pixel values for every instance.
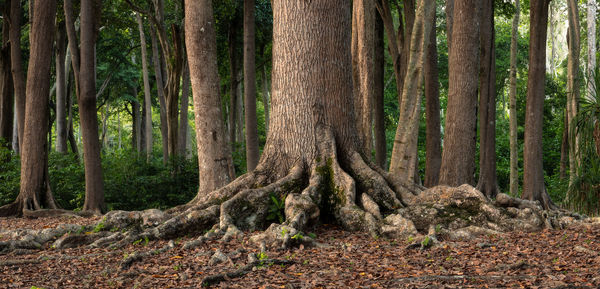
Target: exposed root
(137, 256)
(215, 279)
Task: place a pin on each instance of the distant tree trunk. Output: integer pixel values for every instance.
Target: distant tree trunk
(214, 156)
(35, 191)
(363, 56)
(378, 90)
(174, 70)
(136, 125)
(404, 153)
(458, 157)
(61, 83)
(147, 145)
(239, 113)
(70, 135)
(533, 172)
(573, 41)
(514, 154)
(15, 134)
(183, 111)
(488, 183)
(591, 45)
(161, 95)
(6, 84)
(432, 97)
(233, 80)
(16, 62)
(564, 148)
(250, 87)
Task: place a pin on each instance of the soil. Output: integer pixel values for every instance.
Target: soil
(544, 259)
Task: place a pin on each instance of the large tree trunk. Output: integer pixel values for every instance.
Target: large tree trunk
(16, 63)
(183, 111)
(214, 156)
(533, 172)
(378, 91)
(514, 153)
(266, 91)
(6, 83)
(250, 87)
(449, 22)
(147, 146)
(61, 88)
(591, 46)
(35, 188)
(363, 70)
(488, 183)
(94, 186)
(161, 94)
(404, 154)
(174, 60)
(458, 157)
(573, 41)
(433, 140)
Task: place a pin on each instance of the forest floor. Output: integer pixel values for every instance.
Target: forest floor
(545, 259)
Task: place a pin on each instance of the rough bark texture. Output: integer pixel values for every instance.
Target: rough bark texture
(533, 172)
(488, 183)
(433, 140)
(6, 83)
(94, 185)
(160, 90)
(564, 148)
(591, 44)
(147, 146)
(363, 70)
(183, 111)
(61, 88)
(514, 153)
(16, 63)
(35, 191)
(378, 90)
(214, 156)
(266, 96)
(458, 157)
(233, 80)
(404, 153)
(573, 41)
(250, 87)
(449, 22)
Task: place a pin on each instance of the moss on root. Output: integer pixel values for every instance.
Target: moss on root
(332, 196)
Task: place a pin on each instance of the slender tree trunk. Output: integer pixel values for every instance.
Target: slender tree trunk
(591, 45)
(35, 191)
(239, 113)
(432, 106)
(458, 157)
(250, 87)
(573, 40)
(94, 186)
(404, 153)
(514, 154)
(174, 70)
(136, 131)
(147, 146)
(61, 83)
(233, 80)
(16, 62)
(564, 148)
(6, 84)
(70, 134)
(378, 90)
(533, 172)
(183, 112)
(488, 183)
(161, 95)
(15, 134)
(214, 156)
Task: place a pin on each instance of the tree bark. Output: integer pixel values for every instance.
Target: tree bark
(433, 145)
(266, 86)
(449, 22)
(458, 157)
(564, 148)
(214, 156)
(573, 40)
(250, 87)
(591, 45)
(35, 191)
(488, 183)
(61, 85)
(183, 111)
(6, 84)
(161, 94)
(404, 153)
(514, 154)
(378, 91)
(147, 146)
(16, 63)
(533, 172)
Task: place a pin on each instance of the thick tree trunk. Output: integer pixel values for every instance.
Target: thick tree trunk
(61, 85)
(147, 145)
(591, 45)
(404, 153)
(16, 63)
(6, 84)
(266, 87)
(250, 87)
(363, 70)
(94, 186)
(161, 94)
(488, 183)
(378, 90)
(573, 41)
(433, 140)
(533, 172)
(35, 191)
(449, 22)
(214, 156)
(458, 157)
(514, 153)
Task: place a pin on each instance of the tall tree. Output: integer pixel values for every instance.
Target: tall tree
(6, 84)
(488, 183)
(591, 44)
(458, 157)
(183, 111)
(433, 140)
(61, 87)
(16, 63)
(533, 173)
(378, 91)
(573, 41)
(214, 155)
(250, 86)
(160, 89)
(147, 96)
(514, 154)
(234, 81)
(35, 190)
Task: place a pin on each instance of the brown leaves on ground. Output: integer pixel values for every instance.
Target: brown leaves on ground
(550, 258)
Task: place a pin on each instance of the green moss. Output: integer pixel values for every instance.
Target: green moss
(332, 195)
(450, 213)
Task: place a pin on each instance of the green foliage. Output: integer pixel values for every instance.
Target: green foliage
(10, 175)
(276, 209)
